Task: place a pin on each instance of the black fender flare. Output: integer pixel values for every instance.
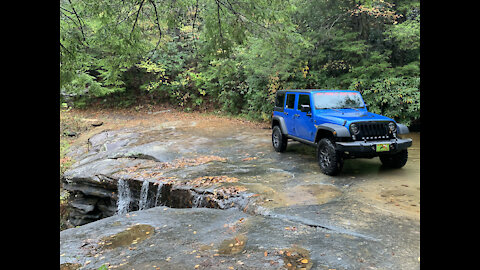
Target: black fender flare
(281, 122)
(336, 130)
(402, 129)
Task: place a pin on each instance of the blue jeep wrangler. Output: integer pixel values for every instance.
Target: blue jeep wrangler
(338, 124)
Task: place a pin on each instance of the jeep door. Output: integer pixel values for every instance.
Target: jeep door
(304, 119)
(289, 112)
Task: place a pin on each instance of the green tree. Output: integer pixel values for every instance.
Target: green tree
(236, 54)
(100, 40)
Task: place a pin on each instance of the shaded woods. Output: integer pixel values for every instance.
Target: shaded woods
(234, 55)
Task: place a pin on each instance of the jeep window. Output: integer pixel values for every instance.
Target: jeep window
(338, 100)
(279, 101)
(290, 101)
(303, 100)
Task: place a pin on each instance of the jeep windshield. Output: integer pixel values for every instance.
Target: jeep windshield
(338, 100)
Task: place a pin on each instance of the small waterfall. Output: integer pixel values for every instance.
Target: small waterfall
(196, 201)
(142, 203)
(123, 202)
(158, 196)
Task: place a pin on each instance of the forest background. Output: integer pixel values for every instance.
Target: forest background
(235, 54)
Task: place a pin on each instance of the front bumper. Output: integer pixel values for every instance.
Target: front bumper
(370, 146)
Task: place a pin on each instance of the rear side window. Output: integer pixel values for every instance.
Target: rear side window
(303, 100)
(279, 101)
(290, 101)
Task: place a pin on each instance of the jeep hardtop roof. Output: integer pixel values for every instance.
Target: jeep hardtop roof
(311, 90)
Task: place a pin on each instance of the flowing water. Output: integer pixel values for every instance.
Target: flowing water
(142, 203)
(124, 197)
(158, 196)
(196, 201)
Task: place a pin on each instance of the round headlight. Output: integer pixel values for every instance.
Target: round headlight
(392, 126)
(354, 129)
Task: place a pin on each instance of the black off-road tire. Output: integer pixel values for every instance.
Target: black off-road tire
(330, 161)
(397, 160)
(279, 140)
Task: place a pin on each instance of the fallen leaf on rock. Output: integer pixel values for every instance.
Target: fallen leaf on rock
(209, 180)
(232, 246)
(297, 258)
(184, 162)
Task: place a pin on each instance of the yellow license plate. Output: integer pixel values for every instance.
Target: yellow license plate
(383, 147)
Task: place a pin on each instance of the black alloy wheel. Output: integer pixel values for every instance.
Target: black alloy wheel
(279, 140)
(330, 161)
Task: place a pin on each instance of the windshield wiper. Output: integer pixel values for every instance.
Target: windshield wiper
(355, 108)
(335, 109)
(350, 108)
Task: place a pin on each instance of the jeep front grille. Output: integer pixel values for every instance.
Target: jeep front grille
(373, 131)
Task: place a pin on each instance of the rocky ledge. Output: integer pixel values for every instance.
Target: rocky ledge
(119, 171)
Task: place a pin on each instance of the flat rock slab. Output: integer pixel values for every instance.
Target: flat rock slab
(202, 238)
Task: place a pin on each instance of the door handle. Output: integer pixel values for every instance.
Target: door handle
(286, 113)
(296, 115)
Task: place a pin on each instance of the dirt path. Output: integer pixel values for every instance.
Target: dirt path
(124, 118)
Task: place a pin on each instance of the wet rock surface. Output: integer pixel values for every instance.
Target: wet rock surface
(213, 194)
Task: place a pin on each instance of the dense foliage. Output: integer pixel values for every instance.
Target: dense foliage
(237, 54)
